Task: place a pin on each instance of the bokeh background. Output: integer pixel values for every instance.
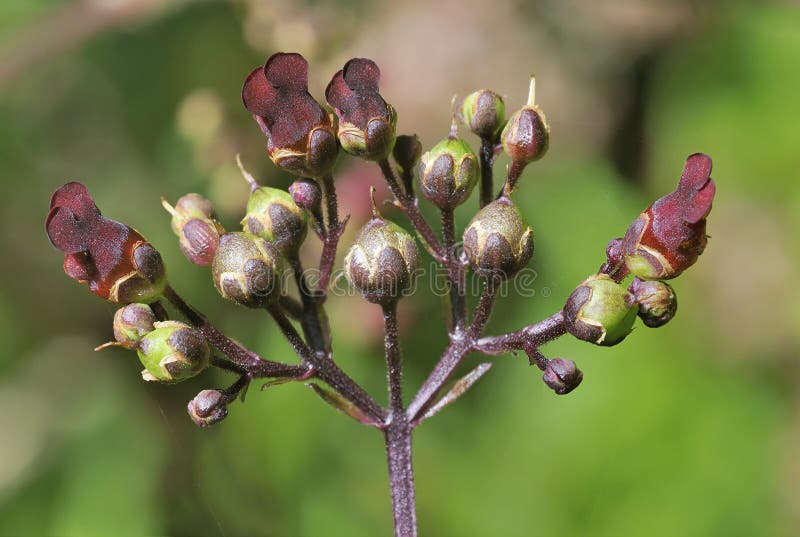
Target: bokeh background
(693, 429)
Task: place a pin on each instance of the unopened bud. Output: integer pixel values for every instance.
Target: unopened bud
(562, 375)
(656, 299)
(306, 194)
(133, 322)
(247, 270)
(195, 224)
(498, 242)
(600, 311)
(208, 408)
(484, 112)
(526, 136)
(273, 216)
(448, 173)
(407, 151)
(173, 352)
(382, 261)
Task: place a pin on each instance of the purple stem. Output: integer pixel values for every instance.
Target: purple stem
(487, 177)
(398, 433)
(456, 275)
(411, 207)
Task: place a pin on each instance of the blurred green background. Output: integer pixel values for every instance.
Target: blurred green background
(693, 429)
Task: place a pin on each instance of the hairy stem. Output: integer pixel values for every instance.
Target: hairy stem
(331, 236)
(398, 432)
(487, 175)
(456, 275)
(514, 173)
(317, 335)
(411, 207)
(242, 357)
(534, 336)
(453, 355)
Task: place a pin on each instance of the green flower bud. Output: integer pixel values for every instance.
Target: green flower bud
(656, 299)
(484, 112)
(173, 352)
(448, 173)
(600, 311)
(195, 224)
(247, 270)
(133, 322)
(498, 242)
(526, 136)
(273, 216)
(382, 261)
(208, 408)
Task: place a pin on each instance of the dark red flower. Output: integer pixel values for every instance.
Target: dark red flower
(670, 235)
(367, 123)
(113, 259)
(300, 134)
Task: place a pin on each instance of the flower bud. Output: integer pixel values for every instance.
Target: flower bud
(448, 173)
(498, 242)
(273, 216)
(562, 376)
(195, 224)
(669, 236)
(247, 270)
(173, 352)
(208, 408)
(306, 194)
(133, 322)
(656, 299)
(382, 261)
(407, 151)
(600, 311)
(526, 136)
(484, 112)
(367, 123)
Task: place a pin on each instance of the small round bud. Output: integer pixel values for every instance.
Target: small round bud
(173, 352)
(208, 408)
(407, 151)
(195, 224)
(382, 261)
(600, 311)
(133, 322)
(448, 173)
(526, 136)
(484, 112)
(247, 270)
(498, 242)
(306, 194)
(656, 299)
(562, 376)
(273, 216)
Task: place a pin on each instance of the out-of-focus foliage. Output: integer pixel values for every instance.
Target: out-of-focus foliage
(691, 429)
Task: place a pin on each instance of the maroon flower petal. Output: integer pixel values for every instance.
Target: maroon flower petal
(353, 92)
(79, 266)
(287, 70)
(362, 74)
(65, 231)
(278, 95)
(699, 187)
(76, 197)
(258, 95)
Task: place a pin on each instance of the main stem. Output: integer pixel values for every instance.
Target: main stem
(455, 274)
(398, 433)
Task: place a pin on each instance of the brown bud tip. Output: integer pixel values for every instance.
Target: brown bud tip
(656, 299)
(562, 376)
(407, 151)
(526, 136)
(306, 194)
(208, 408)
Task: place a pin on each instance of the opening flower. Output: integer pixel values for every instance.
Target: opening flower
(300, 134)
(367, 123)
(670, 235)
(115, 261)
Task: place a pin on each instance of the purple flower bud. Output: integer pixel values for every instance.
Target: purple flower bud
(208, 408)
(562, 376)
